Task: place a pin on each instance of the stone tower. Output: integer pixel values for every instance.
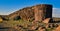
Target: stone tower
(42, 12)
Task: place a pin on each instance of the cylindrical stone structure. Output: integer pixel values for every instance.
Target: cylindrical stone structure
(42, 12)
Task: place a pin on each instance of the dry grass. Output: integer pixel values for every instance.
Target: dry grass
(17, 23)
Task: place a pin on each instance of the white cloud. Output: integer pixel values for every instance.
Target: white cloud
(56, 12)
(8, 11)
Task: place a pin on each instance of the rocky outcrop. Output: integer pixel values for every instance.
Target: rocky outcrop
(25, 14)
(46, 20)
(36, 13)
(57, 29)
(42, 12)
(41, 29)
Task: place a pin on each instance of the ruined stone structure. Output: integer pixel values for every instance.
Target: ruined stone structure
(36, 13)
(42, 12)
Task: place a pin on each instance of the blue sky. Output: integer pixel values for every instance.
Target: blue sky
(9, 6)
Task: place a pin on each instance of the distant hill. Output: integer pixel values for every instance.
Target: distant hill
(4, 17)
(56, 19)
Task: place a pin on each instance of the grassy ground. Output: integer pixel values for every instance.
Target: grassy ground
(24, 25)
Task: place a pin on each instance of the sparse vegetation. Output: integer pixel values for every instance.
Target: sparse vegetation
(22, 25)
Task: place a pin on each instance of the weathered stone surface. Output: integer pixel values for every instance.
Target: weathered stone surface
(57, 29)
(47, 25)
(42, 11)
(25, 14)
(36, 13)
(46, 20)
(41, 29)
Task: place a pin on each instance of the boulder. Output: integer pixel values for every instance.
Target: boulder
(41, 29)
(57, 29)
(1, 19)
(46, 20)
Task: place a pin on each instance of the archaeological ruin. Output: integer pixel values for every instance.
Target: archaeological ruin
(36, 13)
